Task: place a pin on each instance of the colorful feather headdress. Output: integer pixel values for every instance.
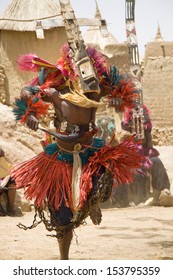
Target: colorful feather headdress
(57, 74)
(122, 90)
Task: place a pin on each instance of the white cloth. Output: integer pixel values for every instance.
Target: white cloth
(76, 175)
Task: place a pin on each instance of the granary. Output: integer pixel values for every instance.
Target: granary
(29, 26)
(22, 31)
(116, 52)
(158, 87)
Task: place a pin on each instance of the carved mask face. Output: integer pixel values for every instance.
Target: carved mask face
(86, 69)
(87, 76)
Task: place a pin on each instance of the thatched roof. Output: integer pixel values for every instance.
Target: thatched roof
(95, 37)
(22, 15)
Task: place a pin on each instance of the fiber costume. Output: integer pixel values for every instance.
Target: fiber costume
(73, 175)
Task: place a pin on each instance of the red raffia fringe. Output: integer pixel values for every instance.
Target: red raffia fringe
(122, 160)
(45, 177)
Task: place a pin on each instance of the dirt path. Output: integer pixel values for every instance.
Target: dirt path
(129, 233)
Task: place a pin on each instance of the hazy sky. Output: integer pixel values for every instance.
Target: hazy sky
(148, 14)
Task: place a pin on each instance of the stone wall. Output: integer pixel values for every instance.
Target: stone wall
(158, 96)
(2, 85)
(156, 49)
(162, 136)
(18, 142)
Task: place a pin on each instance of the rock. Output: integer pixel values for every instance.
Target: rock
(22, 202)
(19, 144)
(17, 141)
(1, 81)
(165, 199)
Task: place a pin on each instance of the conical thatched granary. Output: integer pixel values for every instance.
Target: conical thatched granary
(96, 38)
(28, 26)
(158, 87)
(117, 53)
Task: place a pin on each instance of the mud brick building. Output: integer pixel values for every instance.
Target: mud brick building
(158, 88)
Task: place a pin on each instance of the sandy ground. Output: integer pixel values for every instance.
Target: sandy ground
(128, 233)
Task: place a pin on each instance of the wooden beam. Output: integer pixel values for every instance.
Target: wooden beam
(52, 23)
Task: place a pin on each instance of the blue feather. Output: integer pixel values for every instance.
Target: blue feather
(114, 75)
(32, 89)
(112, 78)
(42, 76)
(35, 100)
(20, 108)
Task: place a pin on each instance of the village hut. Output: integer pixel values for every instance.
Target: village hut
(27, 26)
(100, 38)
(30, 26)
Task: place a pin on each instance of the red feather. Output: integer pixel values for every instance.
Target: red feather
(125, 91)
(39, 108)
